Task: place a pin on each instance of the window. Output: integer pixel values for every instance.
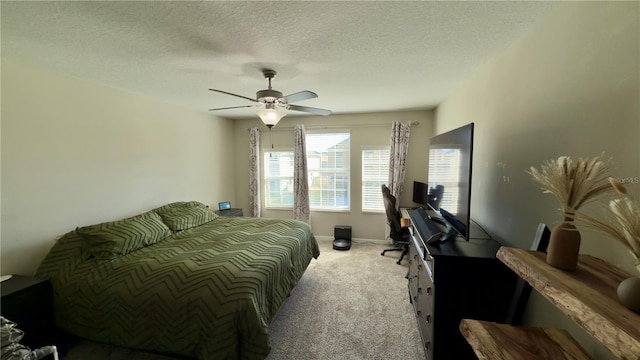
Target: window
(328, 163)
(278, 173)
(375, 172)
(328, 173)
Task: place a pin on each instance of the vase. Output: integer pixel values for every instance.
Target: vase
(564, 246)
(629, 293)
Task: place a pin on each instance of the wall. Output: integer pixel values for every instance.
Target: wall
(75, 153)
(570, 87)
(366, 130)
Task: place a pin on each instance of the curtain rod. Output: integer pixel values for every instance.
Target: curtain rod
(320, 127)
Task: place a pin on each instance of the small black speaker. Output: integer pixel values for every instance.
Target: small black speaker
(342, 237)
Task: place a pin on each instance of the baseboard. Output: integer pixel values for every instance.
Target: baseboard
(355, 240)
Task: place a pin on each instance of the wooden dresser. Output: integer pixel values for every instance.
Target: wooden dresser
(453, 280)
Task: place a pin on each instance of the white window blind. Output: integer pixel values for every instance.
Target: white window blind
(328, 163)
(375, 172)
(278, 173)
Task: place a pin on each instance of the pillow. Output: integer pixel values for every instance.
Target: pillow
(177, 205)
(110, 240)
(183, 218)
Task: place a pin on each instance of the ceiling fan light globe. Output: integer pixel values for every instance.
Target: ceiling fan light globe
(270, 117)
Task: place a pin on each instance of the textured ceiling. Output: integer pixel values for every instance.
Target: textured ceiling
(357, 56)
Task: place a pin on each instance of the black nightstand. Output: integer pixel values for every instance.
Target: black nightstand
(230, 212)
(28, 302)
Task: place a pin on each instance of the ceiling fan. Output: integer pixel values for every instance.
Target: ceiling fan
(270, 101)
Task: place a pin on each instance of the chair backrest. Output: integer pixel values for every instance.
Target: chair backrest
(435, 196)
(523, 289)
(393, 215)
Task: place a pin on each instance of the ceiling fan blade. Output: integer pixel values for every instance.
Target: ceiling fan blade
(232, 94)
(309, 109)
(299, 96)
(232, 107)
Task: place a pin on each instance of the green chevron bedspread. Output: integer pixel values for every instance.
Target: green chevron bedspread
(208, 291)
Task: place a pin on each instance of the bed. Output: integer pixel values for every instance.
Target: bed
(178, 279)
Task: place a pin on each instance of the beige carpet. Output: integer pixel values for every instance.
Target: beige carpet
(348, 305)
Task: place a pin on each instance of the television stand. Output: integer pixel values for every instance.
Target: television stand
(471, 283)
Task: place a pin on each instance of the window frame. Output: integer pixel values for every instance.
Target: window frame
(266, 179)
(363, 182)
(344, 171)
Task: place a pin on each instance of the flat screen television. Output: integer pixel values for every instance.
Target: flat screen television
(420, 193)
(450, 163)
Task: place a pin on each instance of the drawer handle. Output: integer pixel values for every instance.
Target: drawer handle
(428, 318)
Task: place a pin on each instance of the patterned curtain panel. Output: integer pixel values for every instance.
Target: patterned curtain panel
(397, 161)
(254, 172)
(398, 156)
(300, 182)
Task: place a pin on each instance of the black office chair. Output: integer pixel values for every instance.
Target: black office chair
(398, 234)
(523, 289)
(435, 196)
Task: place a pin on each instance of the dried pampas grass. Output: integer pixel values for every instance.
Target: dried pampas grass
(573, 183)
(622, 223)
